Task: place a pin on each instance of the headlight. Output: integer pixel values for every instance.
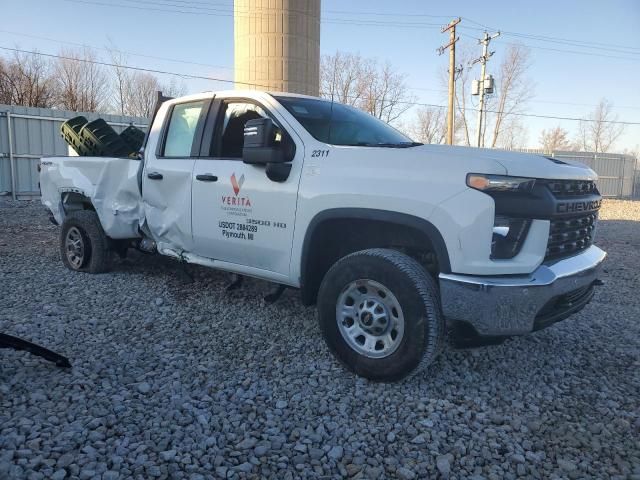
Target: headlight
(499, 183)
(509, 235)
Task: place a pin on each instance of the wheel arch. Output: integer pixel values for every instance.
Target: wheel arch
(408, 231)
(73, 200)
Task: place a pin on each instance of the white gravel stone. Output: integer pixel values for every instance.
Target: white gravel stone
(335, 453)
(144, 388)
(442, 462)
(180, 379)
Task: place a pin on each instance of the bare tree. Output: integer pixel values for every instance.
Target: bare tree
(135, 92)
(174, 88)
(81, 84)
(386, 95)
(634, 152)
(26, 80)
(365, 83)
(514, 89)
(429, 125)
(599, 132)
(341, 77)
(514, 134)
(556, 138)
(122, 79)
(140, 93)
(6, 91)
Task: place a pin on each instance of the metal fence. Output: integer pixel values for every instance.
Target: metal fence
(27, 134)
(618, 173)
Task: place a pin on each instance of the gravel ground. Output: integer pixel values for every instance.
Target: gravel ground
(173, 379)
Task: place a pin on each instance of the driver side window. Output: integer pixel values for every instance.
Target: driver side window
(236, 115)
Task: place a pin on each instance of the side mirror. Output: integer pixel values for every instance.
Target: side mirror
(264, 143)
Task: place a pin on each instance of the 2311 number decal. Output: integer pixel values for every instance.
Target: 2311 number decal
(319, 153)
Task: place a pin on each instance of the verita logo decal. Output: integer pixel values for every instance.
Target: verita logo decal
(236, 184)
(236, 200)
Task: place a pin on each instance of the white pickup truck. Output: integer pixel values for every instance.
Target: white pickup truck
(400, 244)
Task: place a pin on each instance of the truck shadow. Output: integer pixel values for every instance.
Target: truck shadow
(538, 357)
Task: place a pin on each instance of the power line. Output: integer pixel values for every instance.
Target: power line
(196, 10)
(224, 80)
(227, 67)
(224, 13)
(535, 100)
(128, 67)
(200, 7)
(195, 5)
(335, 21)
(583, 104)
(206, 5)
(579, 44)
(134, 54)
(385, 14)
(574, 42)
(576, 52)
(561, 50)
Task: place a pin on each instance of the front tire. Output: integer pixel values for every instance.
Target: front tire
(379, 313)
(84, 247)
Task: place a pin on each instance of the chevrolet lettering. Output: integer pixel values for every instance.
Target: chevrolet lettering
(575, 207)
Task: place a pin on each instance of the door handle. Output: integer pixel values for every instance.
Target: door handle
(207, 177)
(154, 176)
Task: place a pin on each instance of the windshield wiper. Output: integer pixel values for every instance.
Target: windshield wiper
(389, 144)
(399, 144)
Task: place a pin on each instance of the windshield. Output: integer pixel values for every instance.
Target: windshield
(339, 124)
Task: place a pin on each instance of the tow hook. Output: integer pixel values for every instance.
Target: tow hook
(147, 245)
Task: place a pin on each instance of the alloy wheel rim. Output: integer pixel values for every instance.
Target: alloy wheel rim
(74, 247)
(370, 318)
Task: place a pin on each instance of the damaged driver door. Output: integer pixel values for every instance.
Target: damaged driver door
(166, 179)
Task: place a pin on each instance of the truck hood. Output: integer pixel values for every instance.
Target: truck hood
(515, 163)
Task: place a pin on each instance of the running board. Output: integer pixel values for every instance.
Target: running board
(8, 341)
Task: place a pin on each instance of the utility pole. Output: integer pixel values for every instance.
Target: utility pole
(484, 41)
(451, 27)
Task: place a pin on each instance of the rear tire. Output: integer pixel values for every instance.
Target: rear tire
(84, 247)
(380, 315)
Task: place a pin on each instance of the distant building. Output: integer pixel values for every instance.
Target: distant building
(277, 45)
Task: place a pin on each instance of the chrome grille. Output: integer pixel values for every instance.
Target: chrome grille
(569, 235)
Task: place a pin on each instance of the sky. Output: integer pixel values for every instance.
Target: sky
(196, 37)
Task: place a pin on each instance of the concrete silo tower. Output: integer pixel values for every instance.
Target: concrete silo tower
(277, 45)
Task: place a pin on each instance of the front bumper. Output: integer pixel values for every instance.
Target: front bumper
(518, 304)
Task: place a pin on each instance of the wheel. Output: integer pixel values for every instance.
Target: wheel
(84, 246)
(379, 313)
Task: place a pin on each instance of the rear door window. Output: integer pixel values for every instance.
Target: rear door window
(181, 130)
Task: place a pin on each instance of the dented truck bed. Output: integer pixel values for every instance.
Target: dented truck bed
(111, 185)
